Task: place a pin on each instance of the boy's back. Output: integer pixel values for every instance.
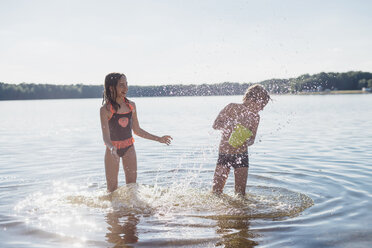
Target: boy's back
(227, 120)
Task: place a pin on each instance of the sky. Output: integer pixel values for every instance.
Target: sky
(181, 42)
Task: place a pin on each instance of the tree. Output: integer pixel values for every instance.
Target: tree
(369, 83)
(362, 84)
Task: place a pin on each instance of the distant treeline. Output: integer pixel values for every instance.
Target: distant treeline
(353, 80)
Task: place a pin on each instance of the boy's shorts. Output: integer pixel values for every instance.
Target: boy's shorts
(233, 160)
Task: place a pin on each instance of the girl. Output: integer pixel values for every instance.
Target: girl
(245, 114)
(118, 119)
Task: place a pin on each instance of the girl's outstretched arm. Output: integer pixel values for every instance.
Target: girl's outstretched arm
(166, 139)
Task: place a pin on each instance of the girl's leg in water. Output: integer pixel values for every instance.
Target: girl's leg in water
(112, 170)
(241, 175)
(130, 165)
(220, 176)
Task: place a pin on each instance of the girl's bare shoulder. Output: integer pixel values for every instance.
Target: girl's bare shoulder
(131, 103)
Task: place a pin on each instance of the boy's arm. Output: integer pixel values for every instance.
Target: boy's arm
(221, 120)
(254, 128)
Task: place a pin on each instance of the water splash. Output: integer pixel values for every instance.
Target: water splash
(260, 201)
(83, 213)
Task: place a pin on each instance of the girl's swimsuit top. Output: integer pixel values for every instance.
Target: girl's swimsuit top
(120, 126)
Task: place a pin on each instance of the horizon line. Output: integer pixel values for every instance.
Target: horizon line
(151, 85)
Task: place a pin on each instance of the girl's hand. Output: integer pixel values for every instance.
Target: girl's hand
(166, 139)
(114, 152)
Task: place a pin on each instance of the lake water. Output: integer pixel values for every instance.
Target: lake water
(309, 182)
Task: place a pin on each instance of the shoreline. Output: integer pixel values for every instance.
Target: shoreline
(333, 92)
(336, 92)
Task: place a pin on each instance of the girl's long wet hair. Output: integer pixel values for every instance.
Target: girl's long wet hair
(109, 93)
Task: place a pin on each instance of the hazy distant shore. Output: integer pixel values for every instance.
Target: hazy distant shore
(353, 82)
(335, 92)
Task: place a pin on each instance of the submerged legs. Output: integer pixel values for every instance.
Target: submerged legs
(220, 176)
(241, 175)
(130, 165)
(112, 170)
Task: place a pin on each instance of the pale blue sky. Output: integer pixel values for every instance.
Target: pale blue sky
(181, 42)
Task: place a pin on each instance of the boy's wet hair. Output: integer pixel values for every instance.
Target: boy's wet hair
(257, 93)
(109, 94)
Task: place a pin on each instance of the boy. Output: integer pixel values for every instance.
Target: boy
(245, 114)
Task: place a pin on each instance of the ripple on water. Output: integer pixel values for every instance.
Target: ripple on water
(62, 206)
